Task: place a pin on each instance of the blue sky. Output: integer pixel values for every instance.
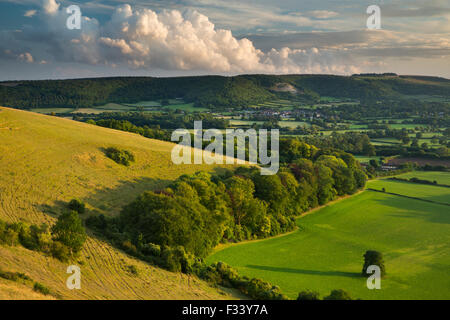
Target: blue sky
(168, 37)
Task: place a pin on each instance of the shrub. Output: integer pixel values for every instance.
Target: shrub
(222, 274)
(372, 257)
(41, 288)
(120, 156)
(77, 205)
(151, 249)
(129, 248)
(177, 259)
(69, 231)
(338, 295)
(308, 295)
(10, 237)
(60, 251)
(133, 270)
(14, 276)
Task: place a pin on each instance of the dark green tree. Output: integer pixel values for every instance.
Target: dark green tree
(77, 205)
(372, 257)
(308, 295)
(69, 231)
(338, 294)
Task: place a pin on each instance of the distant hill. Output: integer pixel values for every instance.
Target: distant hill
(46, 161)
(214, 91)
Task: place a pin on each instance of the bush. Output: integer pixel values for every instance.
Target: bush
(120, 156)
(338, 295)
(133, 270)
(129, 248)
(41, 288)
(308, 295)
(222, 274)
(372, 257)
(77, 205)
(151, 249)
(14, 276)
(60, 251)
(69, 231)
(177, 259)
(9, 237)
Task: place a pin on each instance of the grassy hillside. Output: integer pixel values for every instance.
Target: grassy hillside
(46, 161)
(10, 290)
(327, 251)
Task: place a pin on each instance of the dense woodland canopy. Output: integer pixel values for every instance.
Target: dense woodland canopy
(212, 91)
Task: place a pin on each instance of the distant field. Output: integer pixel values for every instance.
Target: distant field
(109, 107)
(428, 98)
(423, 191)
(235, 122)
(293, 124)
(188, 107)
(144, 104)
(50, 110)
(113, 106)
(440, 177)
(327, 251)
(420, 161)
(365, 159)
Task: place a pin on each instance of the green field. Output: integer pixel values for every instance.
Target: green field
(50, 110)
(326, 252)
(439, 177)
(366, 159)
(422, 191)
(188, 107)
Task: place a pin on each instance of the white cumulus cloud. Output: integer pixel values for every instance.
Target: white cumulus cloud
(50, 6)
(29, 13)
(168, 40)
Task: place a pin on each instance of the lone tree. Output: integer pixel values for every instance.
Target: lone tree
(69, 231)
(372, 257)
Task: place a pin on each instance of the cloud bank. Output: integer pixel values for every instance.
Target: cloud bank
(168, 40)
(142, 40)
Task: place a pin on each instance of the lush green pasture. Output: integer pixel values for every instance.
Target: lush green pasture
(293, 124)
(326, 252)
(188, 107)
(440, 177)
(366, 159)
(144, 104)
(423, 191)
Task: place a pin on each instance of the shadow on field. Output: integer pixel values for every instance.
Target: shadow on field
(310, 272)
(416, 209)
(109, 201)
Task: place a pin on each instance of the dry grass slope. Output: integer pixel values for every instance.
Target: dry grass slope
(46, 161)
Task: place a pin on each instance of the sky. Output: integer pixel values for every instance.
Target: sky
(227, 37)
